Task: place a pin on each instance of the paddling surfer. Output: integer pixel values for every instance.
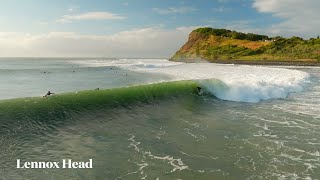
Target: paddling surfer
(48, 94)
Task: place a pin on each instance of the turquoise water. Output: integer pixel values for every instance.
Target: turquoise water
(159, 131)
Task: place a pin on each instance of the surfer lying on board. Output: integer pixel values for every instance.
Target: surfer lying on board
(48, 94)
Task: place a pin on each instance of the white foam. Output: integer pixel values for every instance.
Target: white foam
(234, 83)
(176, 163)
(127, 63)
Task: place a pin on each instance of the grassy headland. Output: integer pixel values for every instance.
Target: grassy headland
(219, 45)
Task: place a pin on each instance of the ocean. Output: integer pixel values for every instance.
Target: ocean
(146, 119)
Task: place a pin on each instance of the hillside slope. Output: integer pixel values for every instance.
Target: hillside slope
(221, 44)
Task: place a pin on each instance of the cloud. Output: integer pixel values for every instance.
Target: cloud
(175, 10)
(71, 9)
(221, 9)
(90, 16)
(145, 42)
(299, 17)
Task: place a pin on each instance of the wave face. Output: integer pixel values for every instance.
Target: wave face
(227, 82)
(63, 105)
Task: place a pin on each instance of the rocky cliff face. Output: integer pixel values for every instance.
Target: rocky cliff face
(212, 47)
(188, 50)
(220, 44)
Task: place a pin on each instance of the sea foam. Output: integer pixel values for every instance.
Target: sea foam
(228, 82)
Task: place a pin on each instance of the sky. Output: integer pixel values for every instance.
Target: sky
(140, 28)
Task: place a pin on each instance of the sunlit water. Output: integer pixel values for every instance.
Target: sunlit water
(262, 135)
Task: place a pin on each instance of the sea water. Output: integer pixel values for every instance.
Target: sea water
(250, 122)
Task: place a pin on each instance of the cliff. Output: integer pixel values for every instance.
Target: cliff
(225, 45)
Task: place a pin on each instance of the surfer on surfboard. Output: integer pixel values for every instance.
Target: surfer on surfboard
(48, 94)
(199, 90)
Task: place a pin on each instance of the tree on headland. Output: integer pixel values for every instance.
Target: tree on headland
(231, 34)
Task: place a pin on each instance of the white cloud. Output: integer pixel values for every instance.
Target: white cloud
(221, 9)
(146, 42)
(174, 10)
(299, 17)
(90, 16)
(72, 9)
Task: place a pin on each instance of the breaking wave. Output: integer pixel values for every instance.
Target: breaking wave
(227, 82)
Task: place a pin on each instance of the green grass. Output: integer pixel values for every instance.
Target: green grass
(221, 44)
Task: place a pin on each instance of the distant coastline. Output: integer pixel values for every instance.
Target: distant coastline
(231, 47)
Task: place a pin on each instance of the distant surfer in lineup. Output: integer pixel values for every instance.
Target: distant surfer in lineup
(48, 94)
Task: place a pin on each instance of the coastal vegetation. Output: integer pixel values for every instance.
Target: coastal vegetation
(222, 44)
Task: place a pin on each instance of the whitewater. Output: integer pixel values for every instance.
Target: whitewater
(145, 119)
(227, 82)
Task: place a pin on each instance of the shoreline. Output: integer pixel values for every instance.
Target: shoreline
(254, 62)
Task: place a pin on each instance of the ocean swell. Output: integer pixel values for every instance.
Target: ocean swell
(62, 105)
